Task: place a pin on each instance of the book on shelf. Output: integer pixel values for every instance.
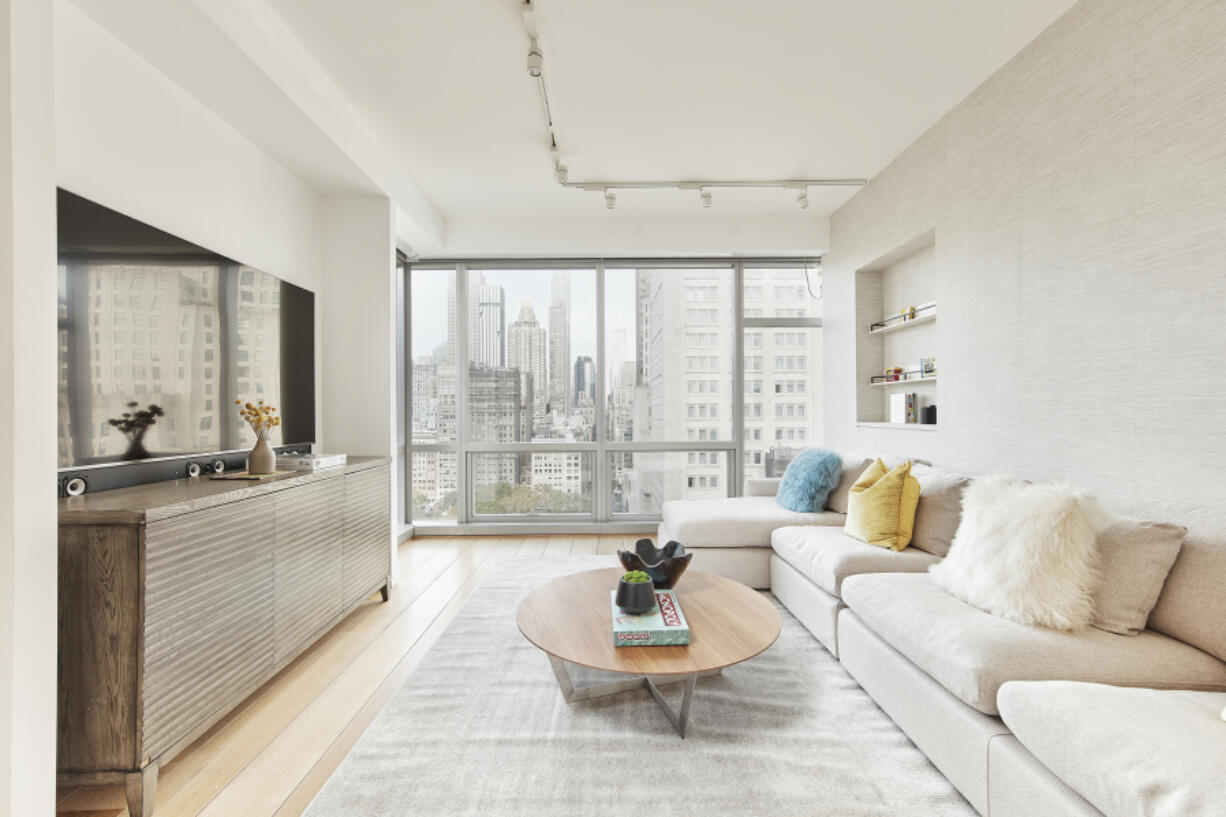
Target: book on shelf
(904, 407)
(663, 626)
(310, 462)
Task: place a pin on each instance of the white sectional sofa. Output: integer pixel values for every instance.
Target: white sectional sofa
(1025, 721)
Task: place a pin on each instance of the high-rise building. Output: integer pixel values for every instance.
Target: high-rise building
(585, 380)
(782, 374)
(476, 280)
(683, 357)
(526, 352)
(491, 327)
(562, 472)
(423, 396)
(494, 417)
(559, 345)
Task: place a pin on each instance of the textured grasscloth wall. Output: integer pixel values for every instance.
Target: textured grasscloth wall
(1079, 202)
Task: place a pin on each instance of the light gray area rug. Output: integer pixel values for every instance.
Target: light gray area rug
(481, 729)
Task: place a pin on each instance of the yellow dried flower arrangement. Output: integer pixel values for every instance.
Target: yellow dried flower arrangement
(260, 416)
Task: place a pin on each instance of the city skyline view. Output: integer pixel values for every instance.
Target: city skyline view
(520, 287)
(669, 350)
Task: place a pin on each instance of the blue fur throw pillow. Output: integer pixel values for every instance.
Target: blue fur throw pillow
(810, 478)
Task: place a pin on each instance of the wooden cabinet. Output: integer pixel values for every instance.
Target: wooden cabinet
(178, 600)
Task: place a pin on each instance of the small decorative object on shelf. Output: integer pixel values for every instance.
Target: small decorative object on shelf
(310, 462)
(929, 416)
(903, 407)
(928, 366)
(897, 375)
(263, 419)
(635, 593)
(911, 313)
(664, 565)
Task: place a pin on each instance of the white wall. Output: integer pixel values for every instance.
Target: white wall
(1078, 198)
(27, 411)
(129, 138)
(358, 301)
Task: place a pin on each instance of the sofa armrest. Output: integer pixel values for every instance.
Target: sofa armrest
(762, 486)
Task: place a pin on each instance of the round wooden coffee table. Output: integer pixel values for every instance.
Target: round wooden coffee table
(569, 618)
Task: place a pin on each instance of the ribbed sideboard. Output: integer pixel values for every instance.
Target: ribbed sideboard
(177, 600)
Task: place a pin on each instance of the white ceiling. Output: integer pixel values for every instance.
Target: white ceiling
(654, 89)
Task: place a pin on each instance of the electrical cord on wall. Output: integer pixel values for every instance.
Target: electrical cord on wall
(809, 283)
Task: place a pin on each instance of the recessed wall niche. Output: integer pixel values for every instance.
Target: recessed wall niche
(897, 350)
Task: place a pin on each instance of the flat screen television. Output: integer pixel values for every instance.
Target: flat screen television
(158, 337)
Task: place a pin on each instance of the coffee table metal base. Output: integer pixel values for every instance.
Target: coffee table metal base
(571, 694)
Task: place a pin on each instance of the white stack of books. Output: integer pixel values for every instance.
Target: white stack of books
(309, 462)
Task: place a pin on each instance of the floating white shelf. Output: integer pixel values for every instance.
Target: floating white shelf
(901, 426)
(890, 383)
(927, 317)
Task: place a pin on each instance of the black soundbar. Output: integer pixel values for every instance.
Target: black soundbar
(77, 481)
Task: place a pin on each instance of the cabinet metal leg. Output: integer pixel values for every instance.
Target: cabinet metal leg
(140, 788)
(385, 592)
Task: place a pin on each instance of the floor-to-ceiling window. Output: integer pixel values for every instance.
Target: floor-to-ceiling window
(592, 392)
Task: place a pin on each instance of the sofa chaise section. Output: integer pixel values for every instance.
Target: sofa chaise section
(743, 521)
(732, 537)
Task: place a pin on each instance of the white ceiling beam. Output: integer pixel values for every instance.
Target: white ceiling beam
(272, 46)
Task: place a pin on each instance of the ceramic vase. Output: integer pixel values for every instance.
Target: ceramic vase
(262, 459)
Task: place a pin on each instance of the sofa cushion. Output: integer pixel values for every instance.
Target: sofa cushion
(881, 508)
(1130, 752)
(1134, 559)
(971, 653)
(852, 469)
(807, 482)
(940, 508)
(1026, 552)
(745, 521)
(1192, 605)
(826, 556)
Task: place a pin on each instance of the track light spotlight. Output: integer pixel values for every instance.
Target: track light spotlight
(560, 173)
(610, 200)
(536, 63)
(706, 197)
(802, 199)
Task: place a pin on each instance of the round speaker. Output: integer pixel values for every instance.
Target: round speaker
(75, 486)
(219, 466)
(193, 469)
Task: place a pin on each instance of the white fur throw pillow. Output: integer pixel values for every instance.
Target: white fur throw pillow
(1026, 552)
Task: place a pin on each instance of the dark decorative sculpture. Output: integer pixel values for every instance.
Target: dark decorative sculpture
(664, 565)
(134, 425)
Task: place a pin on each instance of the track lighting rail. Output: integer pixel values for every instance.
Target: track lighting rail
(696, 185)
(536, 70)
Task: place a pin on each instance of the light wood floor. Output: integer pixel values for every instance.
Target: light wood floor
(272, 755)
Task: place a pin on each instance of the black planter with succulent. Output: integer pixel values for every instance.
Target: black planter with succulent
(664, 565)
(635, 593)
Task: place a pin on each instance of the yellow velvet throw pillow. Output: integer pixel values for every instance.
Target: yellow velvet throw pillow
(881, 506)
